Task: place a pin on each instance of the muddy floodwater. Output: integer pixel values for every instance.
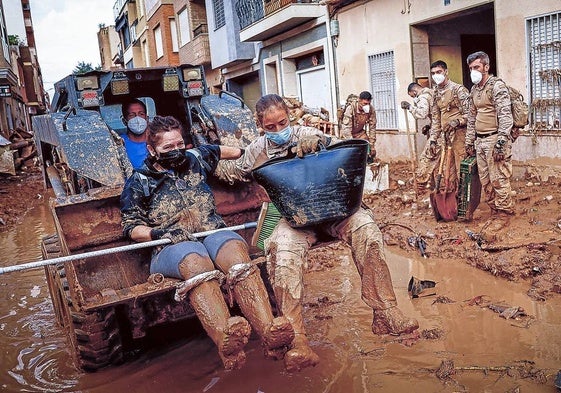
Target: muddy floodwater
(464, 344)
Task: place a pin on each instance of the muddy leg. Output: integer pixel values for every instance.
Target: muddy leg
(230, 334)
(250, 293)
(286, 249)
(365, 239)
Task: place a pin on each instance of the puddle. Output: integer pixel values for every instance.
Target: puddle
(35, 355)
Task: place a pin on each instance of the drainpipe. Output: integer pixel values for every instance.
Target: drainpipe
(332, 28)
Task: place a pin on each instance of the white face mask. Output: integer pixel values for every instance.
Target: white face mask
(475, 76)
(366, 108)
(137, 125)
(438, 78)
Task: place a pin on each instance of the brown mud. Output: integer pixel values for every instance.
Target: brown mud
(528, 249)
(491, 322)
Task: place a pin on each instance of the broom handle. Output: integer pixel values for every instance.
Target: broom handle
(114, 250)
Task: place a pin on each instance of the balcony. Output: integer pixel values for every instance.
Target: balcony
(263, 19)
(196, 51)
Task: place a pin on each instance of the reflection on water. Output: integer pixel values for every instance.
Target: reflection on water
(35, 356)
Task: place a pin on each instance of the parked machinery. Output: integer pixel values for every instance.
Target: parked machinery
(106, 303)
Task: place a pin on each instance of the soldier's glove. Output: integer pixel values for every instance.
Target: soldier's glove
(499, 150)
(433, 148)
(451, 125)
(405, 105)
(425, 130)
(309, 144)
(470, 151)
(175, 233)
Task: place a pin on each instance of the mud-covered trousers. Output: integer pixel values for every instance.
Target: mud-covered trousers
(287, 250)
(494, 175)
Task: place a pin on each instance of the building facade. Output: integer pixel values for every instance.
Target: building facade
(384, 45)
(273, 46)
(22, 94)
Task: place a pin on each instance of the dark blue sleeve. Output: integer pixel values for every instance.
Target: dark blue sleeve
(210, 155)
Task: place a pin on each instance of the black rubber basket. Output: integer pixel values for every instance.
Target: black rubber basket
(320, 187)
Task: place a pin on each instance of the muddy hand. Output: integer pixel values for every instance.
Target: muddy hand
(308, 144)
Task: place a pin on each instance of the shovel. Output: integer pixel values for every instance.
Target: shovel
(444, 202)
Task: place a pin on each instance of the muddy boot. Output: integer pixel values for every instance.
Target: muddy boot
(300, 355)
(276, 334)
(392, 321)
(230, 334)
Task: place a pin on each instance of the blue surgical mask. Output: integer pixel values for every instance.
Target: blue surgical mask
(280, 137)
(137, 125)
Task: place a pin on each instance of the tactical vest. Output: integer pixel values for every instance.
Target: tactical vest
(486, 117)
(448, 104)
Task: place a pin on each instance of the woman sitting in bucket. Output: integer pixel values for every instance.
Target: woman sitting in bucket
(168, 197)
(287, 247)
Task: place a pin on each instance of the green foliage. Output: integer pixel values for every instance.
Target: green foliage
(13, 39)
(83, 67)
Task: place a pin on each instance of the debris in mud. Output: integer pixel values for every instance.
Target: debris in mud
(420, 243)
(446, 370)
(508, 312)
(443, 300)
(322, 301)
(416, 287)
(432, 334)
(477, 300)
(522, 369)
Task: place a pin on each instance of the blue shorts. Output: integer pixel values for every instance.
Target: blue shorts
(167, 261)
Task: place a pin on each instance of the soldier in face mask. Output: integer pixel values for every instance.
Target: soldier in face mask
(488, 138)
(449, 114)
(359, 121)
(168, 197)
(136, 120)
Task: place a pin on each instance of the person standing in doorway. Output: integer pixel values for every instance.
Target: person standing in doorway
(488, 139)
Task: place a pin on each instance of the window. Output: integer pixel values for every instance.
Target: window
(544, 44)
(158, 40)
(219, 17)
(173, 31)
(184, 30)
(382, 82)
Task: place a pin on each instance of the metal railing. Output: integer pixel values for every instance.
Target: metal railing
(251, 11)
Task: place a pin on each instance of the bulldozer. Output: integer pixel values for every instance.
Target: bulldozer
(108, 304)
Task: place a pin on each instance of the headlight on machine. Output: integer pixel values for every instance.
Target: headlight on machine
(119, 84)
(170, 80)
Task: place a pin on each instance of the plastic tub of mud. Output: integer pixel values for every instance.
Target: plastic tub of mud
(321, 187)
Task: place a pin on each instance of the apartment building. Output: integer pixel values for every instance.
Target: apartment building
(273, 46)
(133, 48)
(22, 94)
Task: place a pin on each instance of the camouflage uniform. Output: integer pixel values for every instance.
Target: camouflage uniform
(450, 103)
(359, 124)
(489, 118)
(421, 110)
(422, 104)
